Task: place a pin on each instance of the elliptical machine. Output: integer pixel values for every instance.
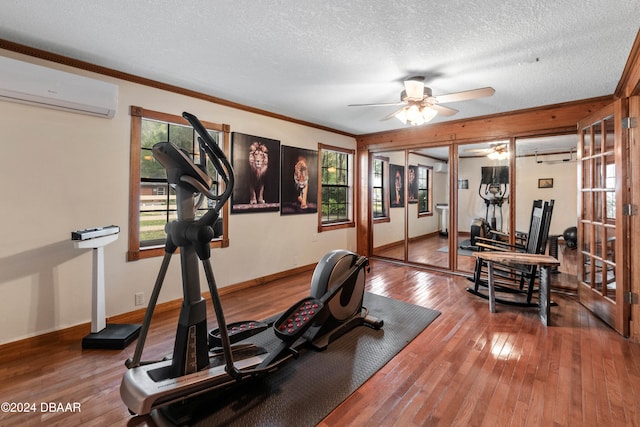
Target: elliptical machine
(205, 361)
(495, 180)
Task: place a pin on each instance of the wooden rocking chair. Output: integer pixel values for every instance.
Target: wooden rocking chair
(519, 279)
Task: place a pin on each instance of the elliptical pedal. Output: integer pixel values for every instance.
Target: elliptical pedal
(237, 331)
(295, 321)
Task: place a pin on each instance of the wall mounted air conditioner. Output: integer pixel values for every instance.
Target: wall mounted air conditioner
(441, 167)
(46, 87)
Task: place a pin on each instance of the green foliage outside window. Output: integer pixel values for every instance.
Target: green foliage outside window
(335, 186)
(157, 198)
(378, 189)
(424, 204)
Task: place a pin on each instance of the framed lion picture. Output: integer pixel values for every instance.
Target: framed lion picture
(298, 181)
(396, 186)
(256, 163)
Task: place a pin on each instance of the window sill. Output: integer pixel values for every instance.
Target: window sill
(336, 226)
(420, 215)
(381, 219)
(156, 251)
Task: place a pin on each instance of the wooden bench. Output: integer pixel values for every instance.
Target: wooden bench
(544, 263)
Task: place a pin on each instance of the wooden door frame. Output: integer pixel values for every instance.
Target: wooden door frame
(629, 88)
(634, 220)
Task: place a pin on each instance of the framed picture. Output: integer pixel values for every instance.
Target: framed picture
(545, 183)
(256, 163)
(412, 183)
(298, 181)
(463, 184)
(396, 186)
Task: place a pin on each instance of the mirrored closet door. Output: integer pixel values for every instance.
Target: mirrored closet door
(410, 205)
(546, 169)
(387, 204)
(428, 207)
(483, 191)
(413, 220)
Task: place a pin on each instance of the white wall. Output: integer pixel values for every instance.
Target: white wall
(424, 225)
(564, 191)
(62, 171)
(385, 233)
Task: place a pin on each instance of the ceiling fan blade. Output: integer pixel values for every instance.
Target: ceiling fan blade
(384, 104)
(392, 115)
(444, 111)
(493, 147)
(414, 89)
(465, 95)
(478, 150)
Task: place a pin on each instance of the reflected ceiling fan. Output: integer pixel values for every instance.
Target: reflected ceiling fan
(496, 151)
(420, 106)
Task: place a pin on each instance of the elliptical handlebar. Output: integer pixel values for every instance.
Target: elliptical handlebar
(202, 132)
(217, 157)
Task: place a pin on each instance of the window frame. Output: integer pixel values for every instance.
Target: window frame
(385, 189)
(350, 222)
(429, 190)
(135, 252)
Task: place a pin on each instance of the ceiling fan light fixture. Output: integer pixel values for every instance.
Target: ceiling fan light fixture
(498, 155)
(428, 113)
(416, 115)
(402, 116)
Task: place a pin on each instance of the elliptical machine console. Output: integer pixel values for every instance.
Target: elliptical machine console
(203, 361)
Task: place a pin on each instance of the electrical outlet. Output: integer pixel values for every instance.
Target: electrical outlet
(140, 298)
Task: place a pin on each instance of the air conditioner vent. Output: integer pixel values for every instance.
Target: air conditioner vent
(441, 167)
(28, 83)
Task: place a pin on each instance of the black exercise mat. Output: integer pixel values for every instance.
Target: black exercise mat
(304, 391)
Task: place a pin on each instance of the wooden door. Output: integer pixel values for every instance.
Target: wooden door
(603, 192)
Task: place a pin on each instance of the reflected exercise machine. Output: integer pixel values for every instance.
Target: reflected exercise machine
(202, 360)
(493, 190)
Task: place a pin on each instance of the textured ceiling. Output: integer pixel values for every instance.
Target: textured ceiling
(309, 59)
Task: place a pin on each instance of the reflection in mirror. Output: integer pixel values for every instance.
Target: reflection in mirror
(411, 187)
(483, 196)
(428, 206)
(387, 201)
(546, 168)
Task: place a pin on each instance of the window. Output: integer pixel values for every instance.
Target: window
(152, 201)
(379, 190)
(425, 178)
(336, 190)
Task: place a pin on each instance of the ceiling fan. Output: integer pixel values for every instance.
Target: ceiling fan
(497, 151)
(420, 106)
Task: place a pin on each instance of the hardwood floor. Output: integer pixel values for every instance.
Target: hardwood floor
(468, 368)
